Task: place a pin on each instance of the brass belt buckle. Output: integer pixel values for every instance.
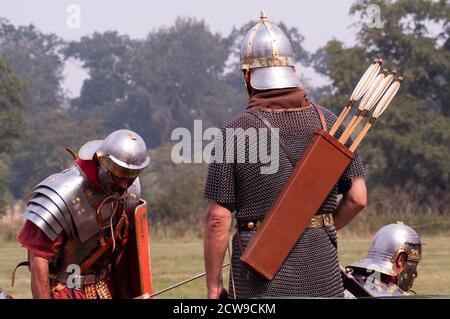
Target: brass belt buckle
(316, 222)
(328, 219)
(321, 220)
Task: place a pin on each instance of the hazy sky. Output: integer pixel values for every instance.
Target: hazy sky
(317, 20)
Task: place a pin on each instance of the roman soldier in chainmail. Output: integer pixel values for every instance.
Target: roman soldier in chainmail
(277, 101)
(390, 268)
(80, 224)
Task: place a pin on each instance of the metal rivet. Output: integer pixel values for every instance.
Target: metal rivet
(250, 225)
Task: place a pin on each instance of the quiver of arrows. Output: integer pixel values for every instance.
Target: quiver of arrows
(316, 173)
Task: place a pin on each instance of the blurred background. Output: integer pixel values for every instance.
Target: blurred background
(76, 71)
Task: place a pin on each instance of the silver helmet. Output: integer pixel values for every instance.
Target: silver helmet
(122, 152)
(388, 243)
(267, 52)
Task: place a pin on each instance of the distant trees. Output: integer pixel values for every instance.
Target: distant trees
(154, 85)
(11, 124)
(410, 146)
(185, 72)
(37, 59)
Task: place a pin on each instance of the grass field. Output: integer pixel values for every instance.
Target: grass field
(178, 259)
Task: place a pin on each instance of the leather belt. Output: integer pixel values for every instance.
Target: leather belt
(317, 221)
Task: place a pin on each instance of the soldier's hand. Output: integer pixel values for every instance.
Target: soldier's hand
(218, 293)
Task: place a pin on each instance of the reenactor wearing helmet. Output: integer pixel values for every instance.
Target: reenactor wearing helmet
(80, 230)
(390, 268)
(276, 101)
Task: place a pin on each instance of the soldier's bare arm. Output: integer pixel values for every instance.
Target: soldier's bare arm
(40, 286)
(352, 203)
(217, 228)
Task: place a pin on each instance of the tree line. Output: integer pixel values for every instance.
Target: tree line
(185, 72)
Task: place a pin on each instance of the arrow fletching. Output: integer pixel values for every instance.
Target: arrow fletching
(379, 91)
(366, 80)
(358, 92)
(387, 97)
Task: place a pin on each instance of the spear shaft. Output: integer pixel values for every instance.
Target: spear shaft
(147, 296)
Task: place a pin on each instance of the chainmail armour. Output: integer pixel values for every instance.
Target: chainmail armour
(312, 267)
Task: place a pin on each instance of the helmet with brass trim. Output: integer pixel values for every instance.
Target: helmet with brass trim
(388, 244)
(267, 53)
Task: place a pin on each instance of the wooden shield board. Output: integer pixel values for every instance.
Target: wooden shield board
(143, 248)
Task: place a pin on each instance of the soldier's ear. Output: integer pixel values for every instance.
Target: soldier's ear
(400, 262)
(246, 78)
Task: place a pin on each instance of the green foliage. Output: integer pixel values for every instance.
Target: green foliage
(407, 42)
(106, 57)
(45, 152)
(11, 106)
(157, 84)
(174, 191)
(409, 146)
(344, 67)
(185, 72)
(36, 58)
(4, 193)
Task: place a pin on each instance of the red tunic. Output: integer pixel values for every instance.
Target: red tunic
(36, 241)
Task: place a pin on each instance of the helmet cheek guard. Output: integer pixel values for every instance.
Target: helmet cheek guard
(407, 276)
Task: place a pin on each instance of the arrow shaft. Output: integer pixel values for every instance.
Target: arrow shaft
(341, 117)
(361, 135)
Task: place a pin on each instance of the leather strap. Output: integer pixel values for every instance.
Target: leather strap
(317, 221)
(280, 141)
(321, 117)
(72, 153)
(13, 275)
(103, 249)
